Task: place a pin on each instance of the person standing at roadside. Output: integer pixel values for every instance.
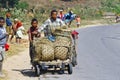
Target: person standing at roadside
(19, 32)
(14, 29)
(78, 20)
(3, 41)
(61, 15)
(8, 24)
(69, 17)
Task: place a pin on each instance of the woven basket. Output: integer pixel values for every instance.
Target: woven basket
(61, 53)
(62, 41)
(43, 40)
(37, 52)
(62, 32)
(47, 53)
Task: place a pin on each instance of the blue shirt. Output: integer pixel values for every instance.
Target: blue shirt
(3, 36)
(8, 22)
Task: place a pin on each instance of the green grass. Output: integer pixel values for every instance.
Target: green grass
(16, 48)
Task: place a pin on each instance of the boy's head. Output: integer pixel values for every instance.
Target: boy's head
(61, 11)
(2, 21)
(16, 20)
(8, 15)
(54, 14)
(70, 12)
(34, 22)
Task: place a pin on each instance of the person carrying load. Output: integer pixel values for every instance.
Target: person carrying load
(51, 24)
(55, 49)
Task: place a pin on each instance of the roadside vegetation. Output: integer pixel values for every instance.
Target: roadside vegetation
(87, 9)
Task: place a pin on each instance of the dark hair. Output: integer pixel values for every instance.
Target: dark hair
(2, 18)
(53, 12)
(34, 19)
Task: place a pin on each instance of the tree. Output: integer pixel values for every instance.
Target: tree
(8, 3)
(22, 5)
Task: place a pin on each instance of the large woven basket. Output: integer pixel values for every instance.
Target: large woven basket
(61, 53)
(47, 53)
(62, 41)
(37, 52)
(43, 49)
(46, 50)
(43, 40)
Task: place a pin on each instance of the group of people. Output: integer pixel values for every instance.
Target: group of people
(56, 21)
(14, 29)
(69, 17)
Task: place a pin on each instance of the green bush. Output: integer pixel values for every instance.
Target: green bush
(22, 5)
(116, 8)
(87, 12)
(8, 3)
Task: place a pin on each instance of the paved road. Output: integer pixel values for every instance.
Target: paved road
(98, 57)
(99, 53)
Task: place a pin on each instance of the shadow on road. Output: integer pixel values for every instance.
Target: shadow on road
(31, 73)
(26, 72)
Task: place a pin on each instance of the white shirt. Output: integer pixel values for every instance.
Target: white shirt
(19, 32)
(52, 23)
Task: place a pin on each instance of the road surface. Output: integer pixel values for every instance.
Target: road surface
(98, 58)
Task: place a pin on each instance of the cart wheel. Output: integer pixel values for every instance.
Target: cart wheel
(37, 70)
(69, 68)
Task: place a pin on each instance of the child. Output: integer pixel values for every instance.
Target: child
(78, 20)
(3, 39)
(14, 29)
(8, 24)
(32, 33)
(19, 32)
(61, 15)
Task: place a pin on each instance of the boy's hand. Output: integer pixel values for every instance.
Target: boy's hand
(38, 35)
(6, 34)
(31, 41)
(35, 32)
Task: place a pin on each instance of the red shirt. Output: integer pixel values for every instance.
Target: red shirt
(19, 24)
(75, 34)
(31, 35)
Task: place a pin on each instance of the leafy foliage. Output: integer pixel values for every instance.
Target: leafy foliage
(22, 5)
(8, 3)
